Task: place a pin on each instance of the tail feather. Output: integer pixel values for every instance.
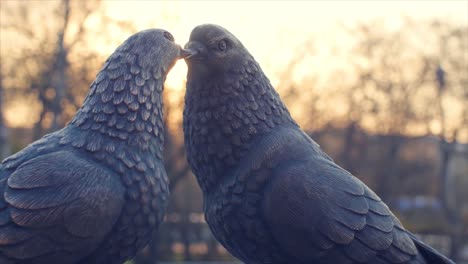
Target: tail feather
(431, 255)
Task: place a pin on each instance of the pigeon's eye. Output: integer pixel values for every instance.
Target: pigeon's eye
(222, 45)
(168, 36)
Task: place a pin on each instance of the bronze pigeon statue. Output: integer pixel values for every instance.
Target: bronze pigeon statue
(271, 195)
(95, 191)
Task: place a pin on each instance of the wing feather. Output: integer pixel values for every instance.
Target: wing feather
(313, 198)
(57, 203)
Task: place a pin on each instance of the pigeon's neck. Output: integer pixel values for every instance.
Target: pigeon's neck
(124, 106)
(223, 116)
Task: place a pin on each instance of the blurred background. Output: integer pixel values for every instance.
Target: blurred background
(382, 86)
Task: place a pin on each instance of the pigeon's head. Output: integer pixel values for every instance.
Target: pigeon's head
(214, 50)
(153, 47)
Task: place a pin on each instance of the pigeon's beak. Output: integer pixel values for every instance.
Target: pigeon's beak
(185, 53)
(194, 48)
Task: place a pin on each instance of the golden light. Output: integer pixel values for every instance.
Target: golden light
(20, 114)
(176, 77)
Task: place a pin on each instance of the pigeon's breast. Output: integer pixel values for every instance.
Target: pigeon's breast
(146, 199)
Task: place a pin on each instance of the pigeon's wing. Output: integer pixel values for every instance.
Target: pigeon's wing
(58, 206)
(319, 213)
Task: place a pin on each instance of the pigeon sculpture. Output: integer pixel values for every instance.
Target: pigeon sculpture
(271, 195)
(95, 191)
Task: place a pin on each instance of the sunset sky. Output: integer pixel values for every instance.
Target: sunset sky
(273, 30)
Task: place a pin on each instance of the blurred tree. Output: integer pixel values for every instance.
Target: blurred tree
(450, 81)
(394, 82)
(57, 65)
(383, 92)
(302, 96)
